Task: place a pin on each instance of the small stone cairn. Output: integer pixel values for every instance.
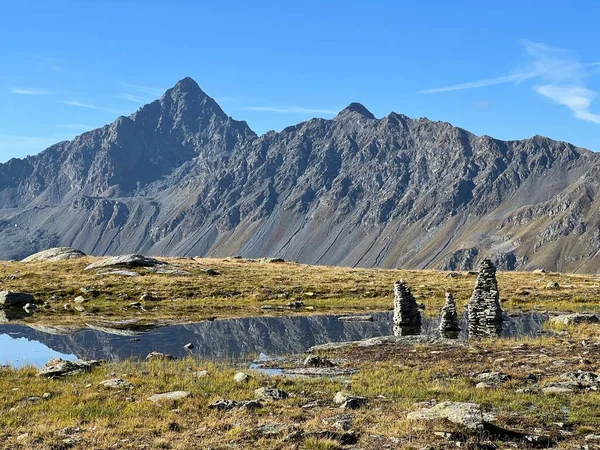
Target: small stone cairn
(407, 318)
(449, 327)
(484, 310)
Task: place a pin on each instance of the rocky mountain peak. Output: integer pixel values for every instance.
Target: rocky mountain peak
(355, 109)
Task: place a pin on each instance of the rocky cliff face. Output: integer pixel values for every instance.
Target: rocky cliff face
(179, 177)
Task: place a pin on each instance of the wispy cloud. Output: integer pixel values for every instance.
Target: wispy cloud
(32, 91)
(559, 76)
(135, 98)
(291, 110)
(481, 83)
(79, 104)
(154, 91)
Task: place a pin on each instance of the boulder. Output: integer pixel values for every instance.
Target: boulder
(153, 356)
(126, 261)
(347, 401)
(241, 377)
(61, 367)
(469, 415)
(55, 254)
(266, 393)
(574, 319)
(317, 361)
(10, 299)
(169, 396)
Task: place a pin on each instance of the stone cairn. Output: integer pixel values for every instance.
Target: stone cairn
(484, 310)
(449, 327)
(407, 318)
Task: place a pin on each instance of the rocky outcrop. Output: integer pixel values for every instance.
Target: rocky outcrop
(484, 310)
(407, 317)
(449, 327)
(55, 254)
(575, 319)
(125, 261)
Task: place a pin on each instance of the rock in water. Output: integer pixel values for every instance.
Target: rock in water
(55, 254)
(17, 299)
(407, 318)
(449, 326)
(484, 310)
(127, 261)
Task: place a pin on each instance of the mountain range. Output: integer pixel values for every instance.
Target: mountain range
(179, 177)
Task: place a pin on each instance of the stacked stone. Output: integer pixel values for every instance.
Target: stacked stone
(449, 326)
(407, 318)
(484, 310)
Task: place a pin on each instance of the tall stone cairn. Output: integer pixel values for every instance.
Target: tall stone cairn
(407, 317)
(484, 307)
(448, 316)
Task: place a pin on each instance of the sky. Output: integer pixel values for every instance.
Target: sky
(508, 69)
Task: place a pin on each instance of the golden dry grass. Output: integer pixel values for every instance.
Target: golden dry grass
(242, 287)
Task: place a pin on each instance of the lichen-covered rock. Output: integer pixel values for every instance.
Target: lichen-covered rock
(407, 317)
(469, 415)
(116, 383)
(266, 393)
(55, 254)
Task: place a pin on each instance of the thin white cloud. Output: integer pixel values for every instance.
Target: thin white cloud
(32, 91)
(291, 110)
(560, 77)
(154, 91)
(578, 99)
(481, 83)
(79, 104)
(135, 98)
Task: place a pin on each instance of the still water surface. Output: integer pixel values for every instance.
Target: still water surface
(222, 339)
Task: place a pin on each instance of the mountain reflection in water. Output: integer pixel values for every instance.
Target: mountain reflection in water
(224, 339)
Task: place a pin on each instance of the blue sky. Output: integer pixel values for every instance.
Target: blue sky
(510, 70)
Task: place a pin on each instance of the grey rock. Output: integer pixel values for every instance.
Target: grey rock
(223, 405)
(79, 299)
(154, 356)
(241, 377)
(575, 319)
(268, 393)
(492, 377)
(324, 372)
(169, 396)
(469, 415)
(347, 401)
(55, 254)
(59, 367)
(116, 383)
(125, 261)
(9, 299)
(317, 361)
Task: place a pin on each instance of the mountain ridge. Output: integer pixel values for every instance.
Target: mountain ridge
(181, 177)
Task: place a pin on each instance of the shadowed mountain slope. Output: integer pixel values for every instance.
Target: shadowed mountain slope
(180, 177)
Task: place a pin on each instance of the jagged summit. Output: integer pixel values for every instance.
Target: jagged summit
(355, 109)
(180, 177)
